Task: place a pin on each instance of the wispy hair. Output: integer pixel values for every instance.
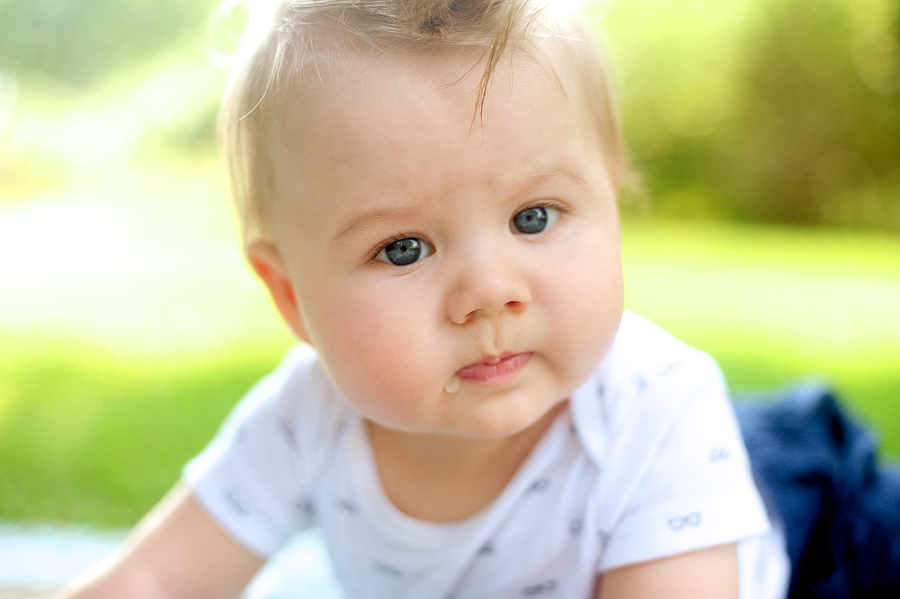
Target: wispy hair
(295, 38)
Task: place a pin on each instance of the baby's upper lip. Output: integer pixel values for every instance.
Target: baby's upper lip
(493, 358)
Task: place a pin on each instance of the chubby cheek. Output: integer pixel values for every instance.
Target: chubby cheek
(585, 299)
(378, 349)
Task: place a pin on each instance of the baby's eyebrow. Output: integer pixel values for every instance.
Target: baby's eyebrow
(395, 213)
(365, 220)
(394, 210)
(552, 172)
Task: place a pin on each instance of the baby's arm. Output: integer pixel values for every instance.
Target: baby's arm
(710, 573)
(176, 552)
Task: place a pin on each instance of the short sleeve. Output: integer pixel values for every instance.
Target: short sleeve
(696, 490)
(674, 473)
(255, 477)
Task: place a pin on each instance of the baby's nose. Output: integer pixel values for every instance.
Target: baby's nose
(486, 288)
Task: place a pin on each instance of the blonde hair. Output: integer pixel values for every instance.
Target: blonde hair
(302, 34)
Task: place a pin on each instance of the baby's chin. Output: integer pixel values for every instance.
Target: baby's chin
(463, 408)
(507, 419)
(507, 425)
(482, 422)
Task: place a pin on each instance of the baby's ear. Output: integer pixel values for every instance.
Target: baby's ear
(266, 261)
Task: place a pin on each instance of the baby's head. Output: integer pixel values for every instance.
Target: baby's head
(428, 190)
(292, 49)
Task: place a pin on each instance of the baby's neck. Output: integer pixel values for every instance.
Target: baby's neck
(445, 478)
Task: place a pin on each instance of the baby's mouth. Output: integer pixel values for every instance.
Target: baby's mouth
(495, 370)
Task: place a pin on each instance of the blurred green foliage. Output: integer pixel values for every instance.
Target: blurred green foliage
(81, 41)
(773, 110)
(776, 110)
(819, 116)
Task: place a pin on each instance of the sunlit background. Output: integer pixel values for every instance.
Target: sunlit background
(764, 226)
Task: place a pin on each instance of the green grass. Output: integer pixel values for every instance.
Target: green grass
(95, 427)
(775, 305)
(87, 436)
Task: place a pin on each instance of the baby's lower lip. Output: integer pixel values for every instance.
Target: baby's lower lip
(493, 374)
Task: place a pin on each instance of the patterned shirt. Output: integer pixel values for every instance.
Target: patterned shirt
(646, 462)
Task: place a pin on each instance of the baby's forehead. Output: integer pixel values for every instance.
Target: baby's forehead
(290, 70)
(415, 131)
(342, 108)
(334, 73)
(350, 82)
(348, 94)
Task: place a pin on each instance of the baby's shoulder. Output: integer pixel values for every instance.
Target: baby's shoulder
(648, 364)
(297, 401)
(643, 347)
(647, 382)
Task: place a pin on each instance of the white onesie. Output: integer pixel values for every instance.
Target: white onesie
(646, 462)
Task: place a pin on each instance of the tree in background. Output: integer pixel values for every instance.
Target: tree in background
(79, 41)
(779, 110)
(816, 134)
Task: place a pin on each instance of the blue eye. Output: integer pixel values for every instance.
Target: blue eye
(534, 220)
(404, 251)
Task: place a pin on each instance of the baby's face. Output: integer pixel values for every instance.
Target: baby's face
(455, 278)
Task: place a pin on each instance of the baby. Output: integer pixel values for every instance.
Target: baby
(428, 191)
